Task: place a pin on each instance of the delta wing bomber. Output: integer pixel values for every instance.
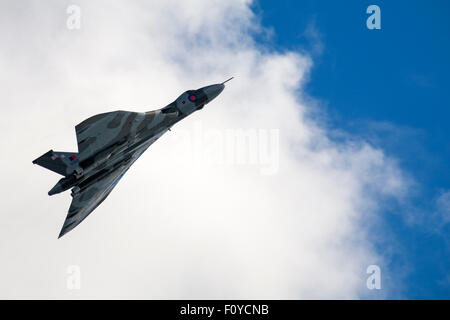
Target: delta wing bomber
(108, 144)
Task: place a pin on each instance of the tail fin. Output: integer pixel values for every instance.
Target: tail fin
(63, 163)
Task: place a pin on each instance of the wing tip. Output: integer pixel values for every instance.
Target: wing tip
(67, 227)
(61, 233)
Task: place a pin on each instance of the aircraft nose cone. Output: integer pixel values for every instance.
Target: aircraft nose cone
(213, 91)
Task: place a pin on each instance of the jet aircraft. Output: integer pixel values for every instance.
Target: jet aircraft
(108, 144)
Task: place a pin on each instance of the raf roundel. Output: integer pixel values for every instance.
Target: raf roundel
(192, 97)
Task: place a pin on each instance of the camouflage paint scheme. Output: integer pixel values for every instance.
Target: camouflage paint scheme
(108, 144)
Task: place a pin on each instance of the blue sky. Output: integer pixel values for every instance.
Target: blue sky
(390, 87)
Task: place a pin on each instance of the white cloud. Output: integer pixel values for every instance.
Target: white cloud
(315, 38)
(443, 207)
(174, 227)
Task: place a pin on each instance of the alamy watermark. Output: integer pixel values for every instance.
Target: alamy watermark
(374, 280)
(73, 277)
(255, 147)
(374, 20)
(74, 19)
